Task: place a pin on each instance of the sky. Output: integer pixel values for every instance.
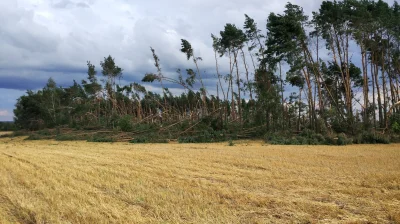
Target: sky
(40, 39)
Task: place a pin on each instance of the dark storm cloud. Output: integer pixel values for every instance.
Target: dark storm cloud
(20, 83)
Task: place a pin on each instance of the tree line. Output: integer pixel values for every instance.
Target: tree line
(344, 61)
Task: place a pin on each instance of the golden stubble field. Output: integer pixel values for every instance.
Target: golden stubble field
(80, 182)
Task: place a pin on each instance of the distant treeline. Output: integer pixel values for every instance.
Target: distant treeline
(344, 61)
(7, 126)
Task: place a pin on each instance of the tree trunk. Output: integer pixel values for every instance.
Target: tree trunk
(247, 75)
(384, 88)
(373, 87)
(238, 86)
(365, 85)
(379, 94)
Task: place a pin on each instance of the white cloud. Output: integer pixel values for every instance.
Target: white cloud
(4, 113)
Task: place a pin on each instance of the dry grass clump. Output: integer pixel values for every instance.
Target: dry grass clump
(78, 182)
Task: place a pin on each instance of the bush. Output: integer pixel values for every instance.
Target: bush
(206, 136)
(125, 123)
(139, 140)
(373, 138)
(33, 137)
(308, 137)
(19, 133)
(396, 127)
(343, 140)
(186, 139)
(143, 139)
(330, 140)
(92, 128)
(44, 132)
(101, 139)
(40, 135)
(275, 138)
(395, 138)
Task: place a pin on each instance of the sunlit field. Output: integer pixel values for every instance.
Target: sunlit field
(80, 182)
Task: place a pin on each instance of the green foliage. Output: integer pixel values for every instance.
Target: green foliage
(148, 139)
(67, 137)
(307, 137)
(92, 128)
(149, 77)
(33, 137)
(100, 138)
(395, 138)
(125, 123)
(343, 140)
(7, 126)
(396, 127)
(230, 143)
(372, 138)
(110, 69)
(19, 133)
(187, 48)
(204, 136)
(232, 37)
(40, 135)
(44, 132)
(139, 140)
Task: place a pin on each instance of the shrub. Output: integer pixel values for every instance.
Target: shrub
(276, 139)
(343, 140)
(92, 128)
(44, 132)
(301, 140)
(125, 123)
(100, 139)
(374, 138)
(19, 133)
(40, 135)
(186, 139)
(395, 138)
(308, 137)
(396, 127)
(206, 136)
(320, 138)
(330, 140)
(33, 137)
(143, 139)
(139, 140)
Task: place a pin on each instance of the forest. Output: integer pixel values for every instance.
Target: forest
(343, 63)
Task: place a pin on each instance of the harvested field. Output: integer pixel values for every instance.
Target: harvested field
(78, 182)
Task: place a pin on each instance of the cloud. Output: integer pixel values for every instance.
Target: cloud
(62, 3)
(82, 5)
(4, 113)
(55, 38)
